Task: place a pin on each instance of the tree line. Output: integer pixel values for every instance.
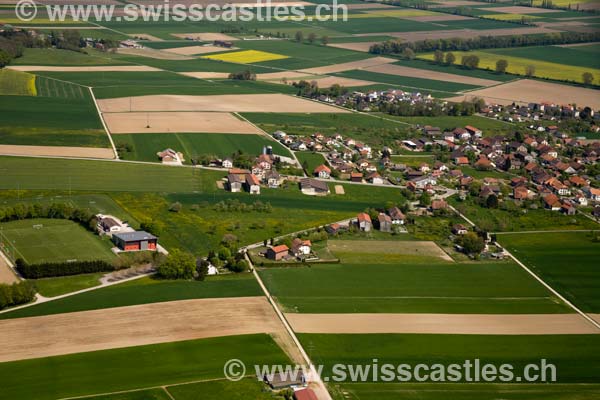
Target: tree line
(20, 211)
(15, 294)
(46, 270)
(396, 46)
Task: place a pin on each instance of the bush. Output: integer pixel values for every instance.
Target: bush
(46, 270)
(178, 265)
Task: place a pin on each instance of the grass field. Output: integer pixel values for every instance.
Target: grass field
(133, 368)
(50, 287)
(63, 57)
(566, 261)
(517, 65)
(581, 56)
(53, 88)
(576, 357)
(144, 291)
(56, 241)
(17, 83)
(361, 127)
(50, 121)
(487, 125)
(313, 160)
(145, 146)
(515, 219)
(396, 283)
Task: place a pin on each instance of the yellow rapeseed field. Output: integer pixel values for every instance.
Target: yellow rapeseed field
(17, 83)
(246, 56)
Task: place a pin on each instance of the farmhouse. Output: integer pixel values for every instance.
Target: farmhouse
(313, 187)
(277, 253)
(108, 225)
(170, 157)
(396, 215)
(385, 222)
(135, 241)
(252, 184)
(301, 247)
(305, 394)
(235, 183)
(364, 222)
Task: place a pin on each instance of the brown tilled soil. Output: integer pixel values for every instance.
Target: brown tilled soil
(7, 275)
(34, 337)
(459, 33)
(204, 36)
(221, 103)
(56, 151)
(438, 18)
(177, 122)
(107, 68)
(522, 10)
(152, 53)
(461, 324)
(368, 6)
(426, 74)
(528, 91)
(369, 62)
(356, 46)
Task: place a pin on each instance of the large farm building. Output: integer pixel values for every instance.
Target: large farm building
(135, 241)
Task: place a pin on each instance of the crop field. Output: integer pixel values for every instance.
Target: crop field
(582, 56)
(145, 146)
(53, 88)
(576, 363)
(398, 283)
(17, 83)
(358, 126)
(566, 261)
(63, 57)
(107, 371)
(57, 240)
(144, 291)
(50, 121)
(246, 57)
(488, 125)
(517, 65)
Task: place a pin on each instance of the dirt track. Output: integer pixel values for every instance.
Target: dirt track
(35, 337)
(56, 151)
(113, 68)
(528, 91)
(426, 74)
(221, 103)
(184, 122)
(369, 62)
(467, 324)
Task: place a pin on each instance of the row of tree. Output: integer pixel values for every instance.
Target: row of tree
(397, 46)
(46, 270)
(15, 294)
(311, 38)
(21, 211)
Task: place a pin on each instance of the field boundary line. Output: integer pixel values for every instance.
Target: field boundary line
(112, 143)
(542, 231)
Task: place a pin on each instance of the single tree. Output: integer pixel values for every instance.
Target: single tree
(491, 201)
(530, 70)
(408, 53)
(299, 36)
(325, 40)
(471, 243)
(438, 57)
(588, 78)
(450, 58)
(501, 66)
(178, 265)
(312, 37)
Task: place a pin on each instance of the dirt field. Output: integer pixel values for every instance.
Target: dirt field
(595, 317)
(339, 189)
(459, 33)
(7, 276)
(222, 103)
(465, 324)
(108, 68)
(356, 46)
(56, 151)
(152, 53)
(206, 75)
(193, 50)
(290, 75)
(204, 36)
(528, 91)
(347, 82)
(415, 248)
(78, 332)
(426, 74)
(178, 122)
(368, 6)
(456, 3)
(369, 62)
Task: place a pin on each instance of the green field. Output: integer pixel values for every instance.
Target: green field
(489, 126)
(396, 283)
(145, 146)
(372, 130)
(566, 261)
(131, 368)
(50, 287)
(51, 121)
(514, 219)
(144, 291)
(584, 56)
(64, 57)
(56, 241)
(47, 87)
(312, 160)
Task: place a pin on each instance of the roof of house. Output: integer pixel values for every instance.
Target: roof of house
(551, 199)
(364, 217)
(135, 236)
(252, 179)
(308, 183)
(109, 222)
(384, 218)
(305, 394)
(280, 249)
(395, 213)
(438, 204)
(322, 167)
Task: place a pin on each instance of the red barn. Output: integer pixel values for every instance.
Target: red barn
(135, 241)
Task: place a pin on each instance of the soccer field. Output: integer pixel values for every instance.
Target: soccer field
(48, 240)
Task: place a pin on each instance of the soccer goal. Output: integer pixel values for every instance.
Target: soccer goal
(38, 226)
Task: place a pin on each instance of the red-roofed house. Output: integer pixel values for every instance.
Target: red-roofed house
(364, 222)
(322, 171)
(277, 252)
(305, 394)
